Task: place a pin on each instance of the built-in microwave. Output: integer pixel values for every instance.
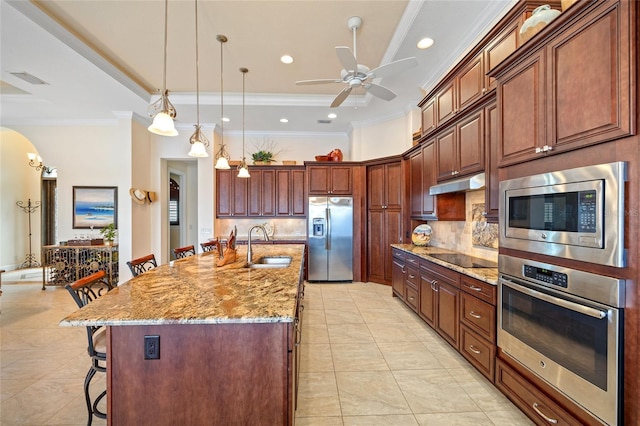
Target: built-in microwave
(576, 214)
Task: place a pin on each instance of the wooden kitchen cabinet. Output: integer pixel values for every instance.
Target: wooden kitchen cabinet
(478, 324)
(589, 92)
(291, 192)
(231, 194)
(385, 228)
(444, 284)
(398, 272)
(428, 309)
(531, 400)
(270, 191)
(491, 179)
(460, 149)
(500, 47)
(384, 185)
(422, 175)
(571, 89)
(262, 194)
(429, 116)
(385, 217)
(330, 180)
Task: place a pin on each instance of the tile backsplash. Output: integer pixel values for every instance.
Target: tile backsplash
(474, 236)
(282, 228)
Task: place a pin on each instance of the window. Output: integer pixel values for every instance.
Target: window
(174, 202)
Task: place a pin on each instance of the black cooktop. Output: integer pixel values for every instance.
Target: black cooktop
(464, 261)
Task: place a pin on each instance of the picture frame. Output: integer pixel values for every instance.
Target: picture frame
(95, 206)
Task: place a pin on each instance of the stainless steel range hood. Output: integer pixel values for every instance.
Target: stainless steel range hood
(468, 183)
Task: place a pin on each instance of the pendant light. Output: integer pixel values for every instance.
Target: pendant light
(162, 110)
(243, 170)
(198, 140)
(222, 156)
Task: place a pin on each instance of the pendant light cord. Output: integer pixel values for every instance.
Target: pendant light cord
(164, 67)
(197, 72)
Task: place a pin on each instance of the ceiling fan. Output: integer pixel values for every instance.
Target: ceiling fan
(358, 75)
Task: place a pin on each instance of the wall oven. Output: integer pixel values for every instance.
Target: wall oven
(576, 214)
(565, 326)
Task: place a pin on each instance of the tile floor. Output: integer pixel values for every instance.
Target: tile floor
(366, 360)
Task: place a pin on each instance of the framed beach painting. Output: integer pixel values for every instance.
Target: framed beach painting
(95, 206)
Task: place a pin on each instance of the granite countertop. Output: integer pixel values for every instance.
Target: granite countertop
(195, 291)
(488, 275)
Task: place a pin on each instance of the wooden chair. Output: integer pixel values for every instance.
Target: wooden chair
(182, 252)
(84, 291)
(142, 264)
(211, 246)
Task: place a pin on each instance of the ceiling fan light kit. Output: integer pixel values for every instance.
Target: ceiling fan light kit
(162, 110)
(356, 75)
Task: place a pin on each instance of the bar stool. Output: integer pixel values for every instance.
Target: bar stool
(84, 291)
(210, 246)
(142, 264)
(182, 252)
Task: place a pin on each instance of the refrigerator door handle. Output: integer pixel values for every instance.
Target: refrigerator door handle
(327, 236)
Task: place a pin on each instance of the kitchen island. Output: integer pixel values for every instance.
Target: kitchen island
(227, 341)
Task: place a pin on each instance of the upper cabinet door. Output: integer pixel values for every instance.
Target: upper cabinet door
(470, 82)
(394, 185)
(521, 104)
(503, 45)
(446, 103)
(589, 75)
(375, 186)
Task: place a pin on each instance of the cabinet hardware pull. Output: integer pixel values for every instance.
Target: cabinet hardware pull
(411, 298)
(473, 314)
(433, 286)
(474, 350)
(412, 276)
(474, 288)
(403, 271)
(548, 419)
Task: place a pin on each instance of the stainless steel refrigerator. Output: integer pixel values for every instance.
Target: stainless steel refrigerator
(330, 239)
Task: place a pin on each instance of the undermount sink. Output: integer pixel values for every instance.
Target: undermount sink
(270, 262)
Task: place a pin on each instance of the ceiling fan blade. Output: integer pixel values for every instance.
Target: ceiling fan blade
(321, 81)
(393, 67)
(341, 97)
(379, 91)
(346, 58)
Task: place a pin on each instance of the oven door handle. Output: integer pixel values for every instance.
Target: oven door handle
(592, 312)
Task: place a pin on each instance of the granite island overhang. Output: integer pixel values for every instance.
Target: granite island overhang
(228, 338)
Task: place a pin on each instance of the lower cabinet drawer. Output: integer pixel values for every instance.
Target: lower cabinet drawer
(478, 315)
(478, 351)
(540, 408)
(411, 297)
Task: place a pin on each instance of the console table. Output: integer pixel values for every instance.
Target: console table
(65, 264)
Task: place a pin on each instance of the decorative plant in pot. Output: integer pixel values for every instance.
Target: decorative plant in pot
(265, 152)
(262, 157)
(108, 233)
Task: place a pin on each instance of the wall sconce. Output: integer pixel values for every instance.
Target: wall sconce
(36, 162)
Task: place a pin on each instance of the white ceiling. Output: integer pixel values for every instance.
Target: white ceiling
(103, 58)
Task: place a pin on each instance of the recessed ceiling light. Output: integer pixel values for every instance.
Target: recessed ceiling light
(226, 119)
(425, 43)
(284, 120)
(332, 115)
(286, 59)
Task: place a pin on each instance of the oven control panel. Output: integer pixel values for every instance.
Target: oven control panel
(546, 275)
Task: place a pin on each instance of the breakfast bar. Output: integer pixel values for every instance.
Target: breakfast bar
(226, 338)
